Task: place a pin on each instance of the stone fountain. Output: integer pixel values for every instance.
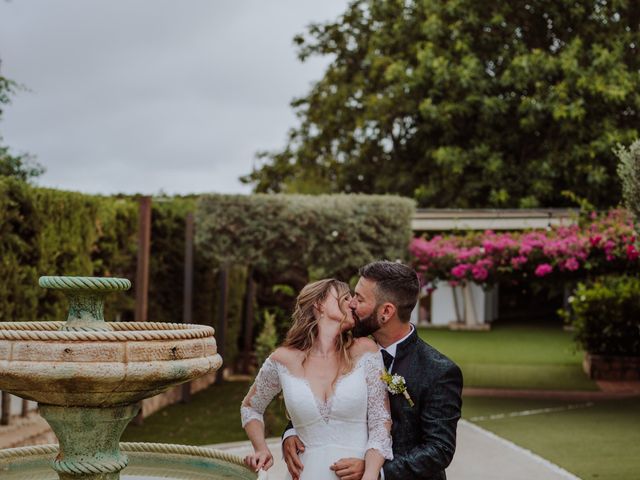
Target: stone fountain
(88, 377)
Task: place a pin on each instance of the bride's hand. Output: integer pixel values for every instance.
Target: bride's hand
(261, 459)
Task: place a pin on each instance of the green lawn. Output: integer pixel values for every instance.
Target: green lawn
(532, 356)
(601, 441)
(212, 416)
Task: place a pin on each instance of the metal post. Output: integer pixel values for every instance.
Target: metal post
(142, 273)
(5, 414)
(221, 330)
(187, 307)
(248, 320)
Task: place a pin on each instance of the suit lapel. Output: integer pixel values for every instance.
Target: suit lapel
(402, 365)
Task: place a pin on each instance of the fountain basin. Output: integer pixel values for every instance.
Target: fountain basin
(147, 461)
(134, 360)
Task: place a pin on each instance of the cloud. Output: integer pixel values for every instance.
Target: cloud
(150, 95)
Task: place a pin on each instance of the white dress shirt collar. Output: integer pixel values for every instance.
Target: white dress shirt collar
(394, 346)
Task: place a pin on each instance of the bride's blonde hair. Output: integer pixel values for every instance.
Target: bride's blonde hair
(304, 330)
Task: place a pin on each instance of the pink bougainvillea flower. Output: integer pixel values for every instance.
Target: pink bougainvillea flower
(517, 262)
(572, 264)
(595, 240)
(604, 244)
(479, 273)
(459, 271)
(543, 269)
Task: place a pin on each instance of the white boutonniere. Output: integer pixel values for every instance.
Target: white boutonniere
(396, 384)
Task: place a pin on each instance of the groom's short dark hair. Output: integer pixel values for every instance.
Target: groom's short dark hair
(395, 283)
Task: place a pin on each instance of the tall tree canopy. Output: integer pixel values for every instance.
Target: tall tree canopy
(466, 103)
(17, 166)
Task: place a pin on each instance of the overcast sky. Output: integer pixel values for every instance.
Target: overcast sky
(154, 95)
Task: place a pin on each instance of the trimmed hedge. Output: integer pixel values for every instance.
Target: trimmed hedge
(44, 231)
(324, 235)
(606, 315)
(166, 268)
(51, 232)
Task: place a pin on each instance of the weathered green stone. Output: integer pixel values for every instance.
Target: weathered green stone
(86, 312)
(86, 299)
(89, 440)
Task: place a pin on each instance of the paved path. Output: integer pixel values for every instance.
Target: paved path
(31, 430)
(480, 455)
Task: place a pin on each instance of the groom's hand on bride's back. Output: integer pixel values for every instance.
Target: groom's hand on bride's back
(291, 447)
(349, 468)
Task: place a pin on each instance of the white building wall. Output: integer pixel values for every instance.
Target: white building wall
(443, 306)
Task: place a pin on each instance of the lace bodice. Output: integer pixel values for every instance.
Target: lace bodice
(356, 415)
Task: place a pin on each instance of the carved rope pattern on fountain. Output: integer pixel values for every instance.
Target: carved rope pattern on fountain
(135, 447)
(90, 466)
(123, 331)
(19, 452)
(121, 326)
(169, 448)
(85, 283)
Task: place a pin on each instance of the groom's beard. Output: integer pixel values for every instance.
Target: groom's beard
(366, 326)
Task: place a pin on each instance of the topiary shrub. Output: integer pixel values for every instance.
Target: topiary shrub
(629, 173)
(606, 316)
(325, 235)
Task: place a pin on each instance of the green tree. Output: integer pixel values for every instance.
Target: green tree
(466, 104)
(22, 167)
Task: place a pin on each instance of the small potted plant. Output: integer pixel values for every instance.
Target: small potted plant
(605, 315)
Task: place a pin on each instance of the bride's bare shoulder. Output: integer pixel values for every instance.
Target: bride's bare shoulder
(363, 345)
(287, 356)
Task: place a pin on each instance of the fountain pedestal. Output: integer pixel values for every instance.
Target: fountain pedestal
(89, 440)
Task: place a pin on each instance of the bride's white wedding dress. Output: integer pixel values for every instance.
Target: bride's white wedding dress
(355, 418)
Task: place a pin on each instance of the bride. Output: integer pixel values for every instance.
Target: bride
(332, 388)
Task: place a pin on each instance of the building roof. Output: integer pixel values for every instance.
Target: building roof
(491, 219)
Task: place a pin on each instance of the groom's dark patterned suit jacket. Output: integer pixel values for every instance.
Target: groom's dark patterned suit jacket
(424, 436)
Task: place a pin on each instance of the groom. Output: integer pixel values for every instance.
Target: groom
(424, 435)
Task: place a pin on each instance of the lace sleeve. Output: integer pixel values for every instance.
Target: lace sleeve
(264, 388)
(378, 411)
